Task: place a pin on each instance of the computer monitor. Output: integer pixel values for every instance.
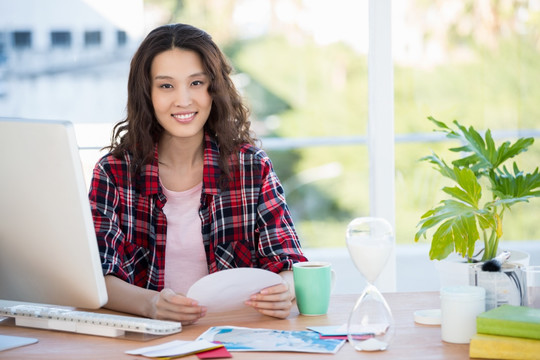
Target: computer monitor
(48, 248)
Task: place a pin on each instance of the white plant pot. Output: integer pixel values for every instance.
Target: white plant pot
(454, 270)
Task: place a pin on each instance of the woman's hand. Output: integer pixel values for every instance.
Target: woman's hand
(273, 301)
(164, 305)
(167, 305)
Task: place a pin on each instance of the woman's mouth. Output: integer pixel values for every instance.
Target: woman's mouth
(184, 118)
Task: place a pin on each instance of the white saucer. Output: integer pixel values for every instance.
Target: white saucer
(428, 317)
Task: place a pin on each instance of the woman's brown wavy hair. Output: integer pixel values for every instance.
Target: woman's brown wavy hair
(228, 120)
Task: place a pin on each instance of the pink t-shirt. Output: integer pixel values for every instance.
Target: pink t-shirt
(185, 258)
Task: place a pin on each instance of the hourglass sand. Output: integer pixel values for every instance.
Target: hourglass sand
(370, 243)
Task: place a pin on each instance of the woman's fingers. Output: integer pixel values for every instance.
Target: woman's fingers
(273, 301)
(172, 306)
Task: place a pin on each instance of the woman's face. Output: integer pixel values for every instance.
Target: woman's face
(180, 92)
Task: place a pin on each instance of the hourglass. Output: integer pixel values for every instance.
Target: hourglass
(371, 325)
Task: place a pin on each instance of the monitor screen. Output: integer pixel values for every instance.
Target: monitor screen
(48, 248)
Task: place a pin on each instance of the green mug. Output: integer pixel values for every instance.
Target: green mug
(313, 283)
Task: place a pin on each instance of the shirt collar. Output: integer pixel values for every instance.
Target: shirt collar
(212, 171)
(149, 176)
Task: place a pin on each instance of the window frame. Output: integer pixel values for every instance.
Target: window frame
(381, 135)
(93, 38)
(21, 39)
(61, 39)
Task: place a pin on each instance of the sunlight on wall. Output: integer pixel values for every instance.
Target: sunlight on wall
(125, 14)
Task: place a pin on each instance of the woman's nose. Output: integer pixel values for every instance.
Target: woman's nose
(183, 97)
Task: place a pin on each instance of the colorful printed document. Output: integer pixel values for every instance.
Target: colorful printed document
(248, 339)
(332, 330)
(338, 332)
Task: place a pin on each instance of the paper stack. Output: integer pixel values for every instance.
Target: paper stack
(507, 332)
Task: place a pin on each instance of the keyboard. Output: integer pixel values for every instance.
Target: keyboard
(92, 323)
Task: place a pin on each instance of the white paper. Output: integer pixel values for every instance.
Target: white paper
(174, 348)
(10, 342)
(227, 290)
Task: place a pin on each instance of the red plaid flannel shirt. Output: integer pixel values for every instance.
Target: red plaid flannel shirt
(246, 225)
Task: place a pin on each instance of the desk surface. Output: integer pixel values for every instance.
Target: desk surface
(411, 340)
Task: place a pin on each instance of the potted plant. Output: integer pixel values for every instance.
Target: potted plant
(484, 189)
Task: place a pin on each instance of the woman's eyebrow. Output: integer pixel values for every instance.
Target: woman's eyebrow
(163, 77)
(168, 77)
(202, 73)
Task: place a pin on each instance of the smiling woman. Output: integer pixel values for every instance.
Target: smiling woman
(184, 192)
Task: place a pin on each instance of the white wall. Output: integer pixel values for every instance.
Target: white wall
(76, 16)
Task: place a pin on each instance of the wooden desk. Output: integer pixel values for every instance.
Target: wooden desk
(411, 340)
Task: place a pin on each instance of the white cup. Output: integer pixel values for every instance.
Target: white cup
(459, 307)
(532, 275)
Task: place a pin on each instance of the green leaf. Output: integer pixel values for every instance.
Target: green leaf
(507, 202)
(457, 234)
(481, 153)
(439, 124)
(507, 152)
(440, 165)
(486, 220)
(475, 144)
(459, 194)
(517, 185)
(448, 209)
(444, 245)
(468, 182)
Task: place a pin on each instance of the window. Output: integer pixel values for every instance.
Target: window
(92, 38)
(60, 39)
(307, 89)
(121, 38)
(22, 39)
(475, 62)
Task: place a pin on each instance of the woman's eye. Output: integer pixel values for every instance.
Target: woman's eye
(165, 86)
(197, 82)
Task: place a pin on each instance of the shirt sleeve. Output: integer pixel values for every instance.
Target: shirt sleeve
(104, 202)
(279, 247)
